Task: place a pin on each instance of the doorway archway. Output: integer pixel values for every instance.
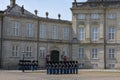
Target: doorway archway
(54, 55)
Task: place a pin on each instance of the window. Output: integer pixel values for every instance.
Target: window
(66, 33)
(81, 65)
(15, 28)
(95, 16)
(54, 32)
(81, 16)
(112, 16)
(65, 51)
(111, 33)
(29, 51)
(15, 51)
(94, 53)
(111, 53)
(43, 31)
(81, 33)
(42, 52)
(81, 53)
(29, 30)
(94, 66)
(111, 66)
(94, 33)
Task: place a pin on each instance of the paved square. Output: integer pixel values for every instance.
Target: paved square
(41, 75)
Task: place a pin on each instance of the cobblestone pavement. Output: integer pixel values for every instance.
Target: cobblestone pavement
(41, 75)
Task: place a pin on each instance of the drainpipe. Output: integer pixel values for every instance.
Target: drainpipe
(38, 39)
(1, 41)
(105, 44)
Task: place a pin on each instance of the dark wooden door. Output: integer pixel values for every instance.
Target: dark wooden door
(54, 55)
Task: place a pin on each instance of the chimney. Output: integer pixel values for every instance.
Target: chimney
(12, 2)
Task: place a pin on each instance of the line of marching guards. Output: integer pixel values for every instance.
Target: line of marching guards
(62, 67)
(28, 65)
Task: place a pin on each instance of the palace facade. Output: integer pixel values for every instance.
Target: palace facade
(92, 37)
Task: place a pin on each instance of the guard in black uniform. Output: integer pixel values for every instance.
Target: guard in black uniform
(76, 67)
(71, 67)
(73, 64)
(67, 67)
(47, 63)
(60, 67)
(57, 67)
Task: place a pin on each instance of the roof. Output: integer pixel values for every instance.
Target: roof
(97, 3)
(17, 12)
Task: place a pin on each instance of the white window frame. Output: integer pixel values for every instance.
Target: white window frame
(81, 65)
(111, 53)
(81, 53)
(43, 31)
(15, 51)
(54, 32)
(111, 33)
(42, 52)
(81, 33)
(15, 27)
(94, 53)
(95, 16)
(65, 51)
(66, 33)
(112, 16)
(29, 29)
(28, 51)
(94, 33)
(112, 66)
(81, 16)
(94, 66)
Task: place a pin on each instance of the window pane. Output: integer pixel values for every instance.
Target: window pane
(43, 31)
(81, 16)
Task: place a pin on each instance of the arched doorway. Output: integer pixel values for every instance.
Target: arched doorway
(54, 56)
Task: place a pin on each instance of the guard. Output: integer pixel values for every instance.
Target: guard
(76, 67)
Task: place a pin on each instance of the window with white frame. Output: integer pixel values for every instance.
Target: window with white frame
(81, 65)
(65, 33)
(94, 33)
(81, 53)
(15, 28)
(81, 33)
(54, 32)
(111, 66)
(81, 16)
(112, 16)
(15, 51)
(65, 51)
(43, 31)
(28, 51)
(94, 53)
(42, 53)
(94, 66)
(95, 16)
(29, 29)
(111, 53)
(111, 33)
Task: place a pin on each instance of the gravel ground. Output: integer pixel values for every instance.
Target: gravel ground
(41, 75)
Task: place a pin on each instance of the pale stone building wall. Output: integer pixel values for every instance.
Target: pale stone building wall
(48, 35)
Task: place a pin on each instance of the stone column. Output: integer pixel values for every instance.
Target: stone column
(74, 25)
(101, 31)
(88, 32)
